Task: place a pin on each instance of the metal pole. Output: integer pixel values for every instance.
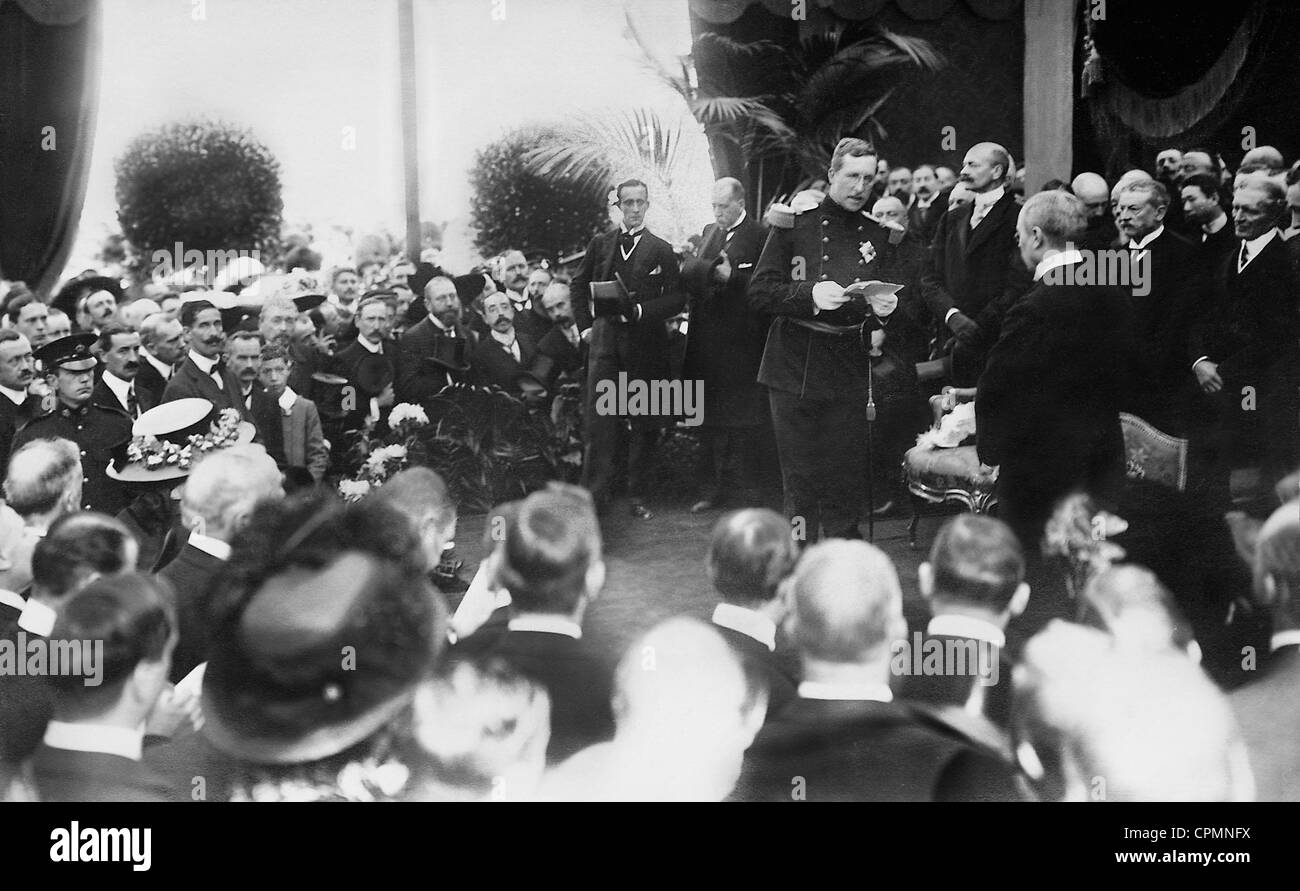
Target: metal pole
(410, 126)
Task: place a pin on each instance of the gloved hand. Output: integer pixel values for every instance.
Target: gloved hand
(828, 296)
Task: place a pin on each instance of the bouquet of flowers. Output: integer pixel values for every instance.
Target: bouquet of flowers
(154, 453)
(1077, 537)
(383, 459)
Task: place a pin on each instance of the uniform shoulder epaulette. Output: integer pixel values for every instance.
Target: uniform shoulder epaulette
(782, 216)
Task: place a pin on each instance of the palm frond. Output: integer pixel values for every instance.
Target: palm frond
(711, 110)
(738, 48)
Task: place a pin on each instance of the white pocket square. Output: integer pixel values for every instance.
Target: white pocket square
(658, 270)
(745, 266)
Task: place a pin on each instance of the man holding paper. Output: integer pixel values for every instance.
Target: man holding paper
(632, 280)
(824, 274)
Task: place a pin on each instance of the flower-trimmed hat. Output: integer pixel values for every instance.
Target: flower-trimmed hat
(167, 439)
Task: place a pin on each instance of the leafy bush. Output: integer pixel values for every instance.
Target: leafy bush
(513, 207)
(210, 186)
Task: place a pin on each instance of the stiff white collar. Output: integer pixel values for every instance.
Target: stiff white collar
(121, 389)
(985, 200)
(861, 692)
(368, 346)
(209, 545)
(950, 625)
(37, 618)
(17, 397)
(747, 622)
(205, 365)
(126, 742)
(740, 219)
(437, 323)
(1284, 639)
(1150, 237)
(12, 599)
(1255, 245)
(548, 624)
(1060, 258)
(163, 368)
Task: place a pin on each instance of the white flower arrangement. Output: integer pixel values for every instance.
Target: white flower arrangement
(354, 490)
(407, 413)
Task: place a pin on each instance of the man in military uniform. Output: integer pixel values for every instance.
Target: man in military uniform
(818, 361)
(96, 429)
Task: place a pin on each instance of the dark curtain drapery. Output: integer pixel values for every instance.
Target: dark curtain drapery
(1174, 79)
(49, 96)
(979, 93)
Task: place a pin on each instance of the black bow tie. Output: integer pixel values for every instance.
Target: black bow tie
(628, 239)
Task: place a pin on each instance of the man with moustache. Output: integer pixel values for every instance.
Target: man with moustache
(276, 320)
(96, 429)
(1171, 272)
(725, 342)
(1168, 175)
(818, 360)
(515, 285)
(538, 281)
(973, 272)
(17, 405)
(372, 346)
(929, 202)
(563, 351)
(119, 349)
(202, 373)
(633, 341)
(100, 309)
(28, 316)
(505, 352)
(417, 378)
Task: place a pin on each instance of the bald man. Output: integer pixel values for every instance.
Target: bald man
(685, 710)
(1092, 190)
(725, 342)
(973, 272)
(845, 738)
(1265, 156)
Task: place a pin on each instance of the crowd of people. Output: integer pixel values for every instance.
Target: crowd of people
(170, 458)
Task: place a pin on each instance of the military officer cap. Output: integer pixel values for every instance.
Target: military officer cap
(71, 353)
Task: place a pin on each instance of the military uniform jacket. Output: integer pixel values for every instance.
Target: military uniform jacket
(96, 429)
(825, 244)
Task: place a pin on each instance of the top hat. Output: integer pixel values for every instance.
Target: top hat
(71, 353)
(307, 302)
(240, 318)
(611, 299)
(277, 692)
(530, 386)
(373, 374)
(449, 353)
(163, 445)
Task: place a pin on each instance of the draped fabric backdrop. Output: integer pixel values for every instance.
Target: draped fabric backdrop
(49, 96)
(1171, 78)
(979, 93)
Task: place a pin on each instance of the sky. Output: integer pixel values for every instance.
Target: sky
(317, 81)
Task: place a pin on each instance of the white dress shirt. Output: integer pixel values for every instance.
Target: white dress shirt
(121, 389)
(747, 622)
(879, 692)
(17, 397)
(636, 240)
(950, 625)
(163, 368)
(509, 341)
(127, 742)
(1252, 248)
(1146, 242)
(984, 201)
(548, 624)
(208, 367)
(37, 618)
(209, 545)
(1052, 261)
